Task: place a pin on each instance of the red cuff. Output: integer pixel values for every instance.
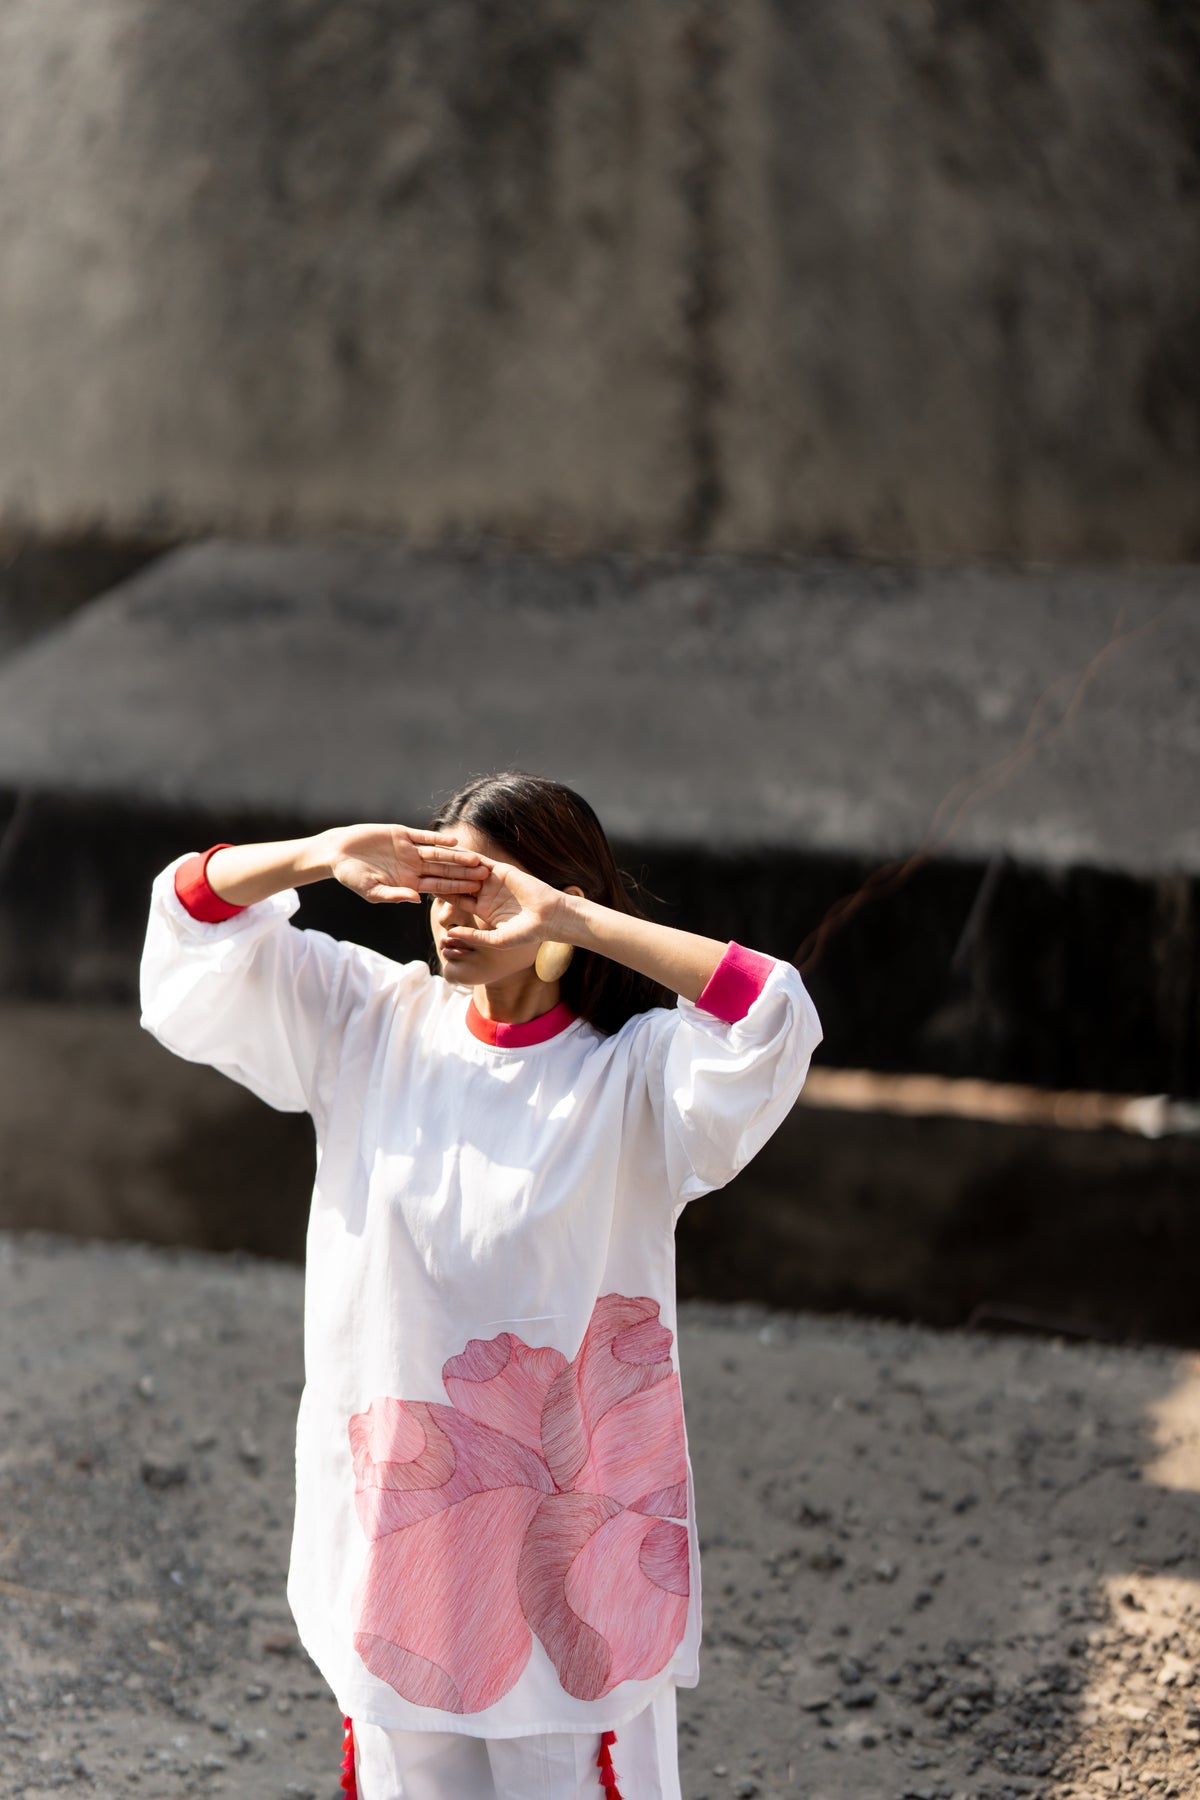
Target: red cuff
(191, 884)
(736, 983)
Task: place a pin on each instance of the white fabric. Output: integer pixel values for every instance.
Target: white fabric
(445, 1765)
(463, 1191)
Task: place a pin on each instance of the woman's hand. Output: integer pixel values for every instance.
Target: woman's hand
(383, 863)
(516, 908)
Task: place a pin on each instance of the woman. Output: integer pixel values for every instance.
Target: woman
(494, 1561)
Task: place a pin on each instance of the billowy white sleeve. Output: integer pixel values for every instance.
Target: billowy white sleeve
(724, 1071)
(251, 995)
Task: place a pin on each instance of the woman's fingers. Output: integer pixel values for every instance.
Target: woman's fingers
(463, 881)
(448, 861)
(500, 938)
(447, 854)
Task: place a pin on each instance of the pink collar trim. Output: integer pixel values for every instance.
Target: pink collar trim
(515, 1037)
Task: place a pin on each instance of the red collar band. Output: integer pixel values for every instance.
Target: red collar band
(516, 1037)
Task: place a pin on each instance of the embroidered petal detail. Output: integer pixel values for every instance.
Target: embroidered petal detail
(667, 1503)
(396, 1446)
(542, 1500)
(437, 1611)
(564, 1432)
(600, 1378)
(623, 1601)
(649, 1342)
(503, 1383)
(564, 1525)
(415, 1679)
(663, 1558)
(638, 1446)
(615, 1361)
(460, 1458)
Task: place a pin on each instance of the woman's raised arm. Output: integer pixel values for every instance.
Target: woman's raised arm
(680, 960)
(226, 981)
(380, 863)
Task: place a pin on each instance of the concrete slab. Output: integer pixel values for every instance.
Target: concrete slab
(934, 1565)
(43, 579)
(759, 736)
(777, 704)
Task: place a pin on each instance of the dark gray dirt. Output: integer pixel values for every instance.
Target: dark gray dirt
(935, 1565)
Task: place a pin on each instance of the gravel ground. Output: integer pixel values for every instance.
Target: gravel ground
(935, 1564)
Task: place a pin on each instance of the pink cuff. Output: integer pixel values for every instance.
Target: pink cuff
(736, 983)
(191, 885)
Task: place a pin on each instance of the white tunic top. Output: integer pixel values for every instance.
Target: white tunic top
(494, 1530)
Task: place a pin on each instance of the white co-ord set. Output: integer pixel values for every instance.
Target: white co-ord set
(494, 1562)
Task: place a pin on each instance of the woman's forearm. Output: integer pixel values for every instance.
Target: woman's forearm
(680, 960)
(244, 873)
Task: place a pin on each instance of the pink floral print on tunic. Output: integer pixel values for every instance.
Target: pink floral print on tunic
(545, 1498)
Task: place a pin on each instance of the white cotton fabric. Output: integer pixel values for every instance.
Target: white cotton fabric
(443, 1765)
(463, 1190)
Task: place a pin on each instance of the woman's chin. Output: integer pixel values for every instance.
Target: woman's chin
(458, 968)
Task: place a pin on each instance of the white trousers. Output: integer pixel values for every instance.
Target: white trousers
(446, 1765)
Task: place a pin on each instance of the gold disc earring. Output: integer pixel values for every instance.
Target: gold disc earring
(552, 959)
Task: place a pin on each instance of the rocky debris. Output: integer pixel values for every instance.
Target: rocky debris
(159, 1474)
(1035, 1630)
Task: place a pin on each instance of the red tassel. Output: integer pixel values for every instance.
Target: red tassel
(608, 1775)
(349, 1784)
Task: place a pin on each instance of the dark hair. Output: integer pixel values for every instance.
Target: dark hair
(551, 830)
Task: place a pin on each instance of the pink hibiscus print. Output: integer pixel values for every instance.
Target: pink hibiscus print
(545, 1498)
